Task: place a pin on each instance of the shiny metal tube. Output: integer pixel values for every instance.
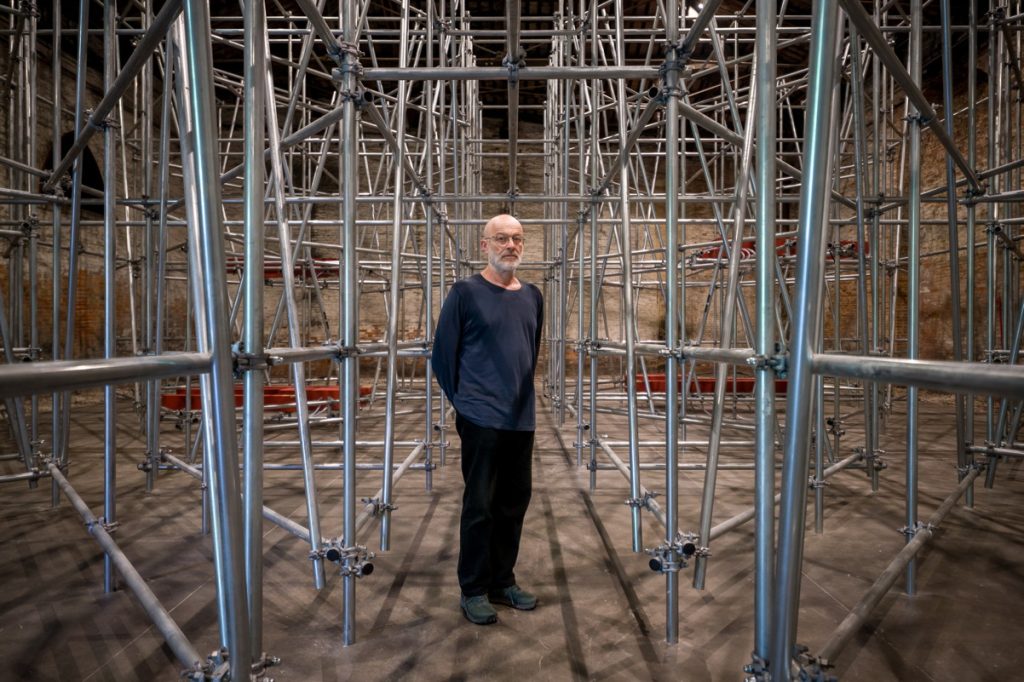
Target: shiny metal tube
(939, 375)
(483, 73)
(176, 640)
(954, 226)
(860, 613)
(428, 268)
(254, 189)
(672, 189)
(56, 258)
(109, 294)
(804, 337)
(764, 340)
(349, 309)
(628, 310)
(220, 441)
(29, 476)
(298, 370)
(728, 330)
(75, 218)
(512, 14)
(69, 375)
(395, 285)
(972, 249)
(914, 287)
(859, 160)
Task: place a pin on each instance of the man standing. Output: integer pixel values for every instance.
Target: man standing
(484, 357)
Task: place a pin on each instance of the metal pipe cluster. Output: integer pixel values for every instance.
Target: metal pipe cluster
(712, 223)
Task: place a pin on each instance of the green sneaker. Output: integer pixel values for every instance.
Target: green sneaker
(513, 596)
(478, 610)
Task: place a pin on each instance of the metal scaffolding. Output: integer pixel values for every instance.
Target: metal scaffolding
(726, 204)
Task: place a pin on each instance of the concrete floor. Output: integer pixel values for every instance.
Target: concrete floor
(602, 610)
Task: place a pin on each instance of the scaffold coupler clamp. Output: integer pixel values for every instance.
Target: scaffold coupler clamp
(974, 465)
(812, 668)
(259, 668)
(643, 502)
(216, 669)
(911, 531)
(835, 426)
(513, 64)
(344, 352)
(379, 507)
(101, 521)
(814, 482)
(777, 363)
(673, 556)
(872, 458)
(243, 361)
(757, 670)
(354, 560)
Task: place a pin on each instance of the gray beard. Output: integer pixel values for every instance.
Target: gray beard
(501, 266)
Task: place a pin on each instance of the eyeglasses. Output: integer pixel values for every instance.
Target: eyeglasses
(503, 239)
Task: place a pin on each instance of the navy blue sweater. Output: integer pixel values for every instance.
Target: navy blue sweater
(485, 352)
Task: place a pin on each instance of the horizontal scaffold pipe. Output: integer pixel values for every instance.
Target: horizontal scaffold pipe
(68, 375)
(939, 375)
(469, 73)
(176, 640)
(859, 614)
(33, 475)
(998, 452)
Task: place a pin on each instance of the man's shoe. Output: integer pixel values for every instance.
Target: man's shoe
(514, 596)
(478, 610)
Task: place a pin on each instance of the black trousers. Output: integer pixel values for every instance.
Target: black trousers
(496, 466)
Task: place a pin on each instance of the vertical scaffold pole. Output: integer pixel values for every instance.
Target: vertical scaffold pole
(109, 292)
(764, 341)
(254, 28)
(350, 306)
(913, 284)
(627, 292)
(218, 407)
(672, 185)
(813, 193)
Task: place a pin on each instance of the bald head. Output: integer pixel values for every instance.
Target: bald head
(503, 222)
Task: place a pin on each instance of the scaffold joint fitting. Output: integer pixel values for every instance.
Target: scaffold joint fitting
(102, 523)
(757, 670)
(216, 668)
(347, 352)
(911, 531)
(672, 556)
(643, 502)
(812, 668)
(379, 507)
(778, 363)
(249, 362)
(814, 483)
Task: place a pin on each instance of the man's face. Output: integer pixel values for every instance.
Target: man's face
(503, 245)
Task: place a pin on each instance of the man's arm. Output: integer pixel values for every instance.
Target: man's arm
(540, 328)
(444, 356)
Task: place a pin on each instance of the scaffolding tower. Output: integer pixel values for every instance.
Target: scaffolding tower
(725, 202)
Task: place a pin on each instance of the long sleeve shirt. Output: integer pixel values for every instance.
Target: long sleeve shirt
(485, 352)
